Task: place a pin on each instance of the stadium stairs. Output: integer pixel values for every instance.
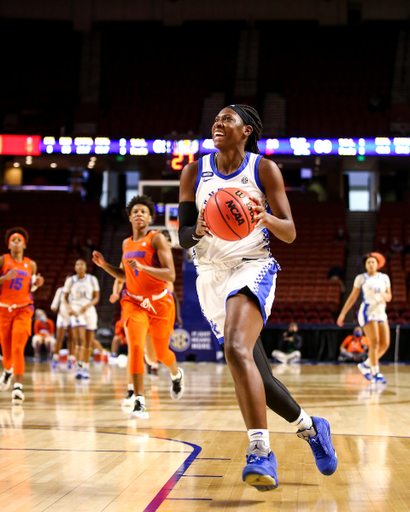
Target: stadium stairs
(362, 232)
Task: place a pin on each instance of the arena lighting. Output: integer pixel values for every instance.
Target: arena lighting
(20, 145)
(296, 146)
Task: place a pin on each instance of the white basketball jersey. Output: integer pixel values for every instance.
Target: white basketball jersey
(214, 251)
(81, 290)
(58, 302)
(372, 287)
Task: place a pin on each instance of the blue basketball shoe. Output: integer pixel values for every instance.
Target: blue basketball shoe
(378, 379)
(366, 370)
(321, 445)
(260, 472)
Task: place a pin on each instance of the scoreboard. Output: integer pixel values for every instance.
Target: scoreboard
(185, 150)
(20, 145)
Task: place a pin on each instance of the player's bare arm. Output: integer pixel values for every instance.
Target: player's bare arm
(116, 289)
(39, 281)
(95, 300)
(280, 222)
(387, 295)
(354, 294)
(11, 274)
(116, 272)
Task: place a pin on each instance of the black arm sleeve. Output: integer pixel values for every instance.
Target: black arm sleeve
(187, 217)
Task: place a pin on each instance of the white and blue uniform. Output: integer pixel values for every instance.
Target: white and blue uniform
(63, 318)
(223, 267)
(373, 306)
(82, 293)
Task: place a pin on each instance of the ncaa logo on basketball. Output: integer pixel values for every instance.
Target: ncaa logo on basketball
(180, 340)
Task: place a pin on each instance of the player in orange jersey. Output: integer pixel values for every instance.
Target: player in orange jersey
(147, 265)
(18, 279)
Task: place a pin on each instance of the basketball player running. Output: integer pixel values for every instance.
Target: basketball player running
(147, 265)
(236, 284)
(18, 279)
(376, 290)
(59, 306)
(81, 294)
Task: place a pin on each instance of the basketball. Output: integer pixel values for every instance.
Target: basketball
(229, 214)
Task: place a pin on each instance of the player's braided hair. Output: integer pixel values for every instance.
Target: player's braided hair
(252, 142)
(143, 199)
(250, 117)
(20, 230)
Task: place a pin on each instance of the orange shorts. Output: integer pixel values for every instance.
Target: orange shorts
(19, 319)
(158, 316)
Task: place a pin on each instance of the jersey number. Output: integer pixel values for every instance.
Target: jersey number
(16, 284)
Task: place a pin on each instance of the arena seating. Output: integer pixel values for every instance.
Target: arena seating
(143, 66)
(39, 91)
(304, 293)
(345, 92)
(58, 226)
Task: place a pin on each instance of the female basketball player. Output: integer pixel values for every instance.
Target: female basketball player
(81, 294)
(236, 284)
(18, 279)
(376, 290)
(147, 265)
(63, 326)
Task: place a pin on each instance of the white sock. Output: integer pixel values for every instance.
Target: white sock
(259, 442)
(177, 376)
(86, 366)
(304, 421)
(141, 398)
(9, 372)
(130, 387)
(375, 370)
(17, 385)
(367, 362)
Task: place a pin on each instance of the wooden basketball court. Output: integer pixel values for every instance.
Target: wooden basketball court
(73, 448)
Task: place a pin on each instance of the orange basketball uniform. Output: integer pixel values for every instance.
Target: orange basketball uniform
(147, 305)
(16, 311)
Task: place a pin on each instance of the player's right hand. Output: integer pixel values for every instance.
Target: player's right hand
(201, 226)
(11, 274)
(98, 259)
(340, 320)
